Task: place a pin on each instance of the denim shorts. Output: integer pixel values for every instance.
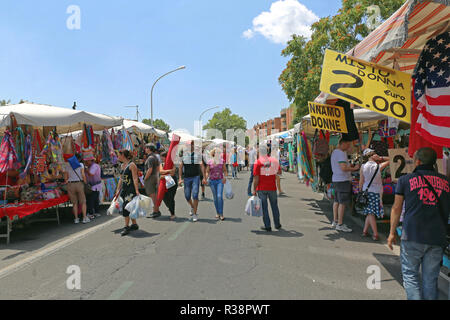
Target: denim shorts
(191, 187)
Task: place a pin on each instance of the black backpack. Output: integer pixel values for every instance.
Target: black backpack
(325, 171)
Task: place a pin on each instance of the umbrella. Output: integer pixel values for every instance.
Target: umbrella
(167, 166)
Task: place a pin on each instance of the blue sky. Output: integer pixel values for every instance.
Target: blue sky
(123, 46)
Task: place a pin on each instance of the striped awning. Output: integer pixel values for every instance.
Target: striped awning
(398, 42)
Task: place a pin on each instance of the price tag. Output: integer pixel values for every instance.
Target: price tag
(367, 85)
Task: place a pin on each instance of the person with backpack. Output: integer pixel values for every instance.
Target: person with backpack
(75, 179)
(426, 194)
(370, 181)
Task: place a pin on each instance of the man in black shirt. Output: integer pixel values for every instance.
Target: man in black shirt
(192, 167)
(426, 194)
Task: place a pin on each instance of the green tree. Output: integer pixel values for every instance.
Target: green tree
(4, 102)
(225, 120)
(301, 78)
(158, 124)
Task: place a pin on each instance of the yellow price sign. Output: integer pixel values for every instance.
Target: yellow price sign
(327, 117)
(367, 85)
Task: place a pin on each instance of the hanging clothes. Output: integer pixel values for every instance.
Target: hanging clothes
(352, 134)
(432, 91)
(8, 155)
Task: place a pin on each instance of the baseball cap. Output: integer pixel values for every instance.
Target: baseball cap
(367, 151)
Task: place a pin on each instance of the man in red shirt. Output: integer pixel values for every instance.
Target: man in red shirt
(265, 170)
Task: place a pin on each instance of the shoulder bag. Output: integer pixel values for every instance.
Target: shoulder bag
(362, 199)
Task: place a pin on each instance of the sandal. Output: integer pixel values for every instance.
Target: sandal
(365, 234)
(376, 238)
(222, 218)
(217, 217)
(172, 218)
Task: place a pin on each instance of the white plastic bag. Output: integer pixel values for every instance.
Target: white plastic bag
(228, 191)
(115, 207)
(145, 203)
(254, 207)
(138, 207)
(170, 182)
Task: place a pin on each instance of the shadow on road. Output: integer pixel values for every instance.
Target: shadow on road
(280, 233)
(392, 264)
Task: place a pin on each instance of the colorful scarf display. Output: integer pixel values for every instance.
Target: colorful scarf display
(306, 161)
(8, 155)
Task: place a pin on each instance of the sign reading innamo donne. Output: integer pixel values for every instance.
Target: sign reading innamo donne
(367, 85)
(327, 117)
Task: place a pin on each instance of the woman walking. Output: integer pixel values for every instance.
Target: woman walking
(371, 170)
(234, 164)
(169, 197)
(216, 171)
(128, 187)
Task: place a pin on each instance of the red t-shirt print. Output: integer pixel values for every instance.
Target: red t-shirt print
(266, 168)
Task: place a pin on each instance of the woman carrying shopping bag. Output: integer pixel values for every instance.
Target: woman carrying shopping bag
(169, 196)
(370, 181)
(216, 171)
(128, 187)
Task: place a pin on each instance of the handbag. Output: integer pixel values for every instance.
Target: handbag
(362, 199)
(87, 187)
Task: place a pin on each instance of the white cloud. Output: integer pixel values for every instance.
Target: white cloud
(285, 18)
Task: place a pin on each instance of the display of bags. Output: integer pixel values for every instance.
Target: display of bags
(254, 207)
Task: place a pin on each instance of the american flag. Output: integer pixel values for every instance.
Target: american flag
(431, 89)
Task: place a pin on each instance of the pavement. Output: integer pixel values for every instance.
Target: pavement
(208, 259)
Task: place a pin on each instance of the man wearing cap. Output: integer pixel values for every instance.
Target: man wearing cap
(342, 178)
(151, 178)
(94, 179)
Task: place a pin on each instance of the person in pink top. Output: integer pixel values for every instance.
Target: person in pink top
(94, 179)
(216, 172)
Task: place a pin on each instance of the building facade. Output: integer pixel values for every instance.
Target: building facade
(278, 124)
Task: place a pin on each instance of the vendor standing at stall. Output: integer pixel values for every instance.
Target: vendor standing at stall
(93, 177)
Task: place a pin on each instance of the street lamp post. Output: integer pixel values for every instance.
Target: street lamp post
(200, 119)
(151, 96)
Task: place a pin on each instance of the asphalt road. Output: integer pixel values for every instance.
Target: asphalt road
(231, 259)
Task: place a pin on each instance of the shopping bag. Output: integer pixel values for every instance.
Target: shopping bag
(228, 191)
(145, 203)
(170, 182)
(254, 207)
(115, 207)
(135, 209)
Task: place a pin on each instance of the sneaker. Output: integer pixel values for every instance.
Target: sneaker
(86, 220)
(343, 228)
(91, 216)
(134, 227)
(266, 229)
(125, 231)
(191, 212)
(77, 220)
(334, 224)
(97, 215)
(278, 227)
(194, 218)
(155, 214)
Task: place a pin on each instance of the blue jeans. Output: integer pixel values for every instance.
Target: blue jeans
(217, 191)
(273, 199)
(412, 256)
(250, 182)
(191, 187)
(234, 171)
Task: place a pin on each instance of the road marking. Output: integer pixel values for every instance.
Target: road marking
(116, 295)
(53, 248)
(179, 231)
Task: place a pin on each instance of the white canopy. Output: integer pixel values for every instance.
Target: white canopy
(361, 115)
(141, 127)
(184, 136)
(221, 141)
(283, 135)
(160, 133)
(66, 120)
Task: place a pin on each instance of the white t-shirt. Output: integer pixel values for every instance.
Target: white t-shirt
(72, 176)
(368, 170)
(338, 156)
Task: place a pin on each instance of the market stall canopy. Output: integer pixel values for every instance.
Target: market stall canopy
(364, 119)
(130, 125)
(184, 136)
(64, 119)
(160, 133)
(221, 141)
(282, 135)
(398, 42)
